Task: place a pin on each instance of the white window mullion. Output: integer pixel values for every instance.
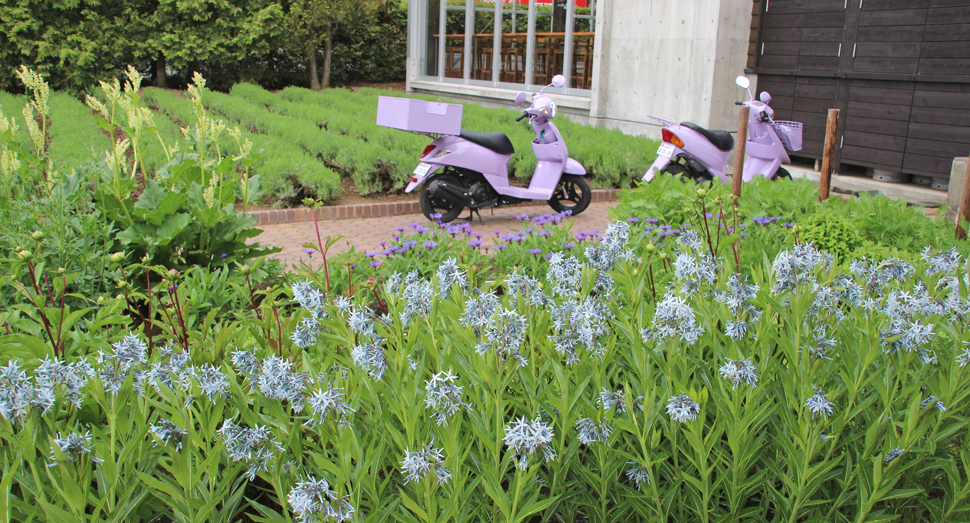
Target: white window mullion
(469, 35)
(530, 45)
(442, 37)
(497, 44)
(567, 55)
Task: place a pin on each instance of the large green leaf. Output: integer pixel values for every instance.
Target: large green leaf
(156, 203)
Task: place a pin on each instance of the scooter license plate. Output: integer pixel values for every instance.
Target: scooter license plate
(422, 169)
(666, 150)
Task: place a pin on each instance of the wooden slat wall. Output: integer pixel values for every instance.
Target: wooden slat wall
(753, 37)
(891, 118)
(802, 99)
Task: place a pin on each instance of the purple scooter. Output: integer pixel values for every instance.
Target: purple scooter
(692, 152)
(469, 169)
(769, 140)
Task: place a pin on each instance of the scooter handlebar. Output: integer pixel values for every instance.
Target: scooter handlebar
(738, 103)
(521, 116)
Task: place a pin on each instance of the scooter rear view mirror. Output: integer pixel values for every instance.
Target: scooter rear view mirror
(765, 97)
(745, 84)
(520, 98)
(558, 80)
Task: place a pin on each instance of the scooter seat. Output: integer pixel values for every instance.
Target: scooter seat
(721, 139)
(497, 142)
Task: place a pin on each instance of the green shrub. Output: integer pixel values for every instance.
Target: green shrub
(869, 226)
(831, 233)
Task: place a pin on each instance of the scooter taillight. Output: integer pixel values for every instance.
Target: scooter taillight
(427, 151)
(672, 138)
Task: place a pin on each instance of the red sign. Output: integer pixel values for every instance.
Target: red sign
(577, 3)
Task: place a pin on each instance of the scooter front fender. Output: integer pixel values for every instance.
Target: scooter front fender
(658, 165)
(573, 167)
(418, 180)
(755, 166)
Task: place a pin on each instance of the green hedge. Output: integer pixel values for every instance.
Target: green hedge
(288, 172)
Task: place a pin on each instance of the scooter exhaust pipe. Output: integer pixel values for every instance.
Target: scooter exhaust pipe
(449, 191)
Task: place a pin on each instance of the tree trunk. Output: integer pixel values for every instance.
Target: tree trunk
(160, 75)
(327, 54)
(312, 56)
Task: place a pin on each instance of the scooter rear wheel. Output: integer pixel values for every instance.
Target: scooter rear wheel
(684, 174)
(572, 194)
(431, 205)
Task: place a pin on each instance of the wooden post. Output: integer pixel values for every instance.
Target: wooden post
(964, 210)
(739, 153)
(828, 154)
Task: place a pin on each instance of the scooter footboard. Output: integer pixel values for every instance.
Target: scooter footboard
(655, 169)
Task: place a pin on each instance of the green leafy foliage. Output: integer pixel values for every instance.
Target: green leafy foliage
(866, 226)
(77, 44)
(472, 395)
(831, 233)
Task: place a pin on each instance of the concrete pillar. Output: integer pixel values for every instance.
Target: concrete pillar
(673, 59)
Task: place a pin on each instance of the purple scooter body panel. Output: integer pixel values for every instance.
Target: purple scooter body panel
(453, 150)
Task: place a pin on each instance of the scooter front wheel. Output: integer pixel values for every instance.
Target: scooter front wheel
(572, 194)
(782, 174)
(431, 205)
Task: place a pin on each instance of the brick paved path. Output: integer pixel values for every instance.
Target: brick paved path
(367, 233)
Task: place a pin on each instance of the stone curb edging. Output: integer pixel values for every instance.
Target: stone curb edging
(375, 210)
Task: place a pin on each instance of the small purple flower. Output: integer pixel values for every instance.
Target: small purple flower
(567, 212)
(633, 219)
(788, 225)
(436, 216)
(535, 250)
(421, 230)
(528, 231)
(383, 244)
(500, 247)
(224, 256)
(475, 243)
(173, 287)
(497, 231)
(375, 264)
(569, 245)
(353, 266)
(652, 220)
(709, 216)
(478, 235)
(408, 244)
(309, 252)
(522, 217)
(371, 254)
(400, 228)
(397, 237)
(549, 256)
(429, 244)
(545, 233)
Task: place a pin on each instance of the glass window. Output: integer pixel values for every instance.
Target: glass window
(558, 35)
(483, 42)
(455, 39)
(431, 46)
(583, 33)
